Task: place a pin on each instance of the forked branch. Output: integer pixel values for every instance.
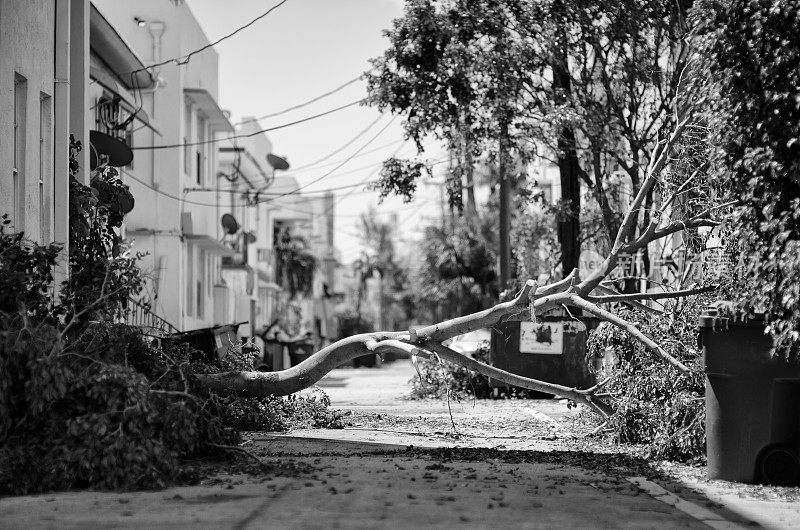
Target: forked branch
(530, 301)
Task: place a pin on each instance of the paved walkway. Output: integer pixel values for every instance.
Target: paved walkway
(399, 464)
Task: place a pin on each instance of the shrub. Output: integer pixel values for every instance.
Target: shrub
(26, 273)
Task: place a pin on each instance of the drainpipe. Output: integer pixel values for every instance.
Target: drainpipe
(79, 121)
(156, 30)
(61, 104)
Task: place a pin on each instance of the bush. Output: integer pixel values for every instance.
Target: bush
(656, 405)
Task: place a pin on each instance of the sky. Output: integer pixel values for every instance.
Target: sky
(303, 49)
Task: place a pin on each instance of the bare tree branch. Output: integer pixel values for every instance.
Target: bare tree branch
(626, 326)
(650, 296)
(585, 397)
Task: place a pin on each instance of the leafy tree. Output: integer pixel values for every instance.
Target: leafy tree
(461, 70)
(754, 62)
(296, 264)
(379, 257)
(454, 69)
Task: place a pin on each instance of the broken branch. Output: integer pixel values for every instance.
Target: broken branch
(629, 328)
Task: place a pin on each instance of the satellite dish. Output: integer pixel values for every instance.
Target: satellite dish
(229, 223)
(116, 151)
(277, 162)
(250, 237)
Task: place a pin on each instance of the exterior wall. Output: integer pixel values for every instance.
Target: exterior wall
(27, 41)
(160, 178)
(249, 274)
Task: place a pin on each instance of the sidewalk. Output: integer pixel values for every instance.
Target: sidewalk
(400, 465)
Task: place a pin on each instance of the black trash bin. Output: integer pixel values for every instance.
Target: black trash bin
(752, 403)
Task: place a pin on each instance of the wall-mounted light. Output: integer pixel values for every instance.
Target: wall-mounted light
(140, 22)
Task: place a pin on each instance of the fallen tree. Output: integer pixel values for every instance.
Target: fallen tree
(573, 291)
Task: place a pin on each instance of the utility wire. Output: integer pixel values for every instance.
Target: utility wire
(309, 195)
(343, 147)
(301, 105)
(307, 167)
(164, 193)
(236, 137)
(346, 160)
(185, 58)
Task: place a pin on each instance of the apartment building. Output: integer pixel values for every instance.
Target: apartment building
(248, 291)
(94, 69)
(39, 40)
(175, 224)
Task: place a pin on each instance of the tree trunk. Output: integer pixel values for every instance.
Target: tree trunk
(568, 167)
(505, 209)
(469, 173)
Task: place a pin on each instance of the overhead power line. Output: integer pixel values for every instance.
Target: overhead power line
(185, 58)
(164, 193)
(343, 147)
(345, 161)
(236, 137)
(304, 104)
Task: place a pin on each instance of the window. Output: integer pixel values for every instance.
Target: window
(199, 167)
(201, 277)
(20, 107)
(45, 165)
(200, 153)
(187, 133)
(199, 292)
(189, 299)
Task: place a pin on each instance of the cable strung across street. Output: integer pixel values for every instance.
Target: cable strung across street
(249, 135)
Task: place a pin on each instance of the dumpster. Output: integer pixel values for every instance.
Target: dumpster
(273, 353)
(213, 343)
(552, 349)
(752, 403)
(299, 351)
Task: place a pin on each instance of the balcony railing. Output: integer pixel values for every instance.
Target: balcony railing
(139, 315)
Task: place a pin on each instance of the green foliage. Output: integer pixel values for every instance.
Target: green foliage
(656, 405)
(399, 177)
(109, 410)
(436, 379)
(26, 273)
(281, 414)
(103, 275)
(106, 410)
(754, 61)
